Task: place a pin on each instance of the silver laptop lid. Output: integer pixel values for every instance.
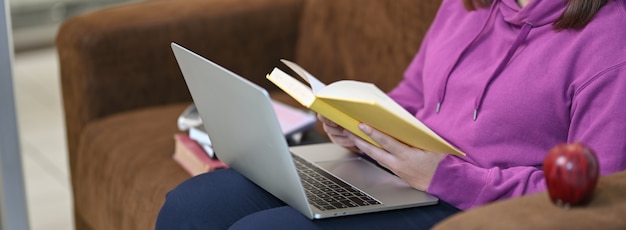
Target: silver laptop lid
(236, 114)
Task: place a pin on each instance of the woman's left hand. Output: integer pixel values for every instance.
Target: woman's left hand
(415, 166)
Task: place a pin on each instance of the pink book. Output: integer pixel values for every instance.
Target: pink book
(192, 157)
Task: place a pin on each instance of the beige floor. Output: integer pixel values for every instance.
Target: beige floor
(42, 137)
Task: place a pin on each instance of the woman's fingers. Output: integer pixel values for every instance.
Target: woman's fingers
(388, 143)
(326, 121)
(335, 132)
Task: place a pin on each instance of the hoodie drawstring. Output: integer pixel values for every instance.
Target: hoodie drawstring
(479, 100)
(444, 81)
(516, 44)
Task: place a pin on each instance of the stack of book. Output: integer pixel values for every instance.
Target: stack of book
(194, 151)
(192, 157)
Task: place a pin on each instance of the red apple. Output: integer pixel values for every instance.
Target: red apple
(571, 172)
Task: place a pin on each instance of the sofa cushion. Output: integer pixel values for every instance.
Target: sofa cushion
(126, 168)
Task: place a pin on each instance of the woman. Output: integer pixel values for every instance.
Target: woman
(503, 80)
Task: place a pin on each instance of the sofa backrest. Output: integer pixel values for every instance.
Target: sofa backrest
(371, 40)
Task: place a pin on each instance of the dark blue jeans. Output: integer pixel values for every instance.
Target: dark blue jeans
(225, 199)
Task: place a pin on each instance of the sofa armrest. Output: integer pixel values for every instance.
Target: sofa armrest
(605, 210)
(119, 58)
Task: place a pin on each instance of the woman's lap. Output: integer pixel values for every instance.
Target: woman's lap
(223, 198)
(213, 200)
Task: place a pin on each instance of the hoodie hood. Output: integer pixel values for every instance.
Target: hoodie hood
(536, 14)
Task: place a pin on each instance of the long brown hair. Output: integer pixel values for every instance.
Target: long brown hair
(577, 14)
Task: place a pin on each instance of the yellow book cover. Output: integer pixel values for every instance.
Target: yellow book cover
(349, 102)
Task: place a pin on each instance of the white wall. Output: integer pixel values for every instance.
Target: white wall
(35, 22)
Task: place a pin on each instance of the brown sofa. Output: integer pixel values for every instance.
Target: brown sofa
(123, 91)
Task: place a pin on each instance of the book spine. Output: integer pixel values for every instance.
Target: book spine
(200, 154)
(189, 164)
(197, 159)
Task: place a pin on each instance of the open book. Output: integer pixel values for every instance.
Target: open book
(349, 102)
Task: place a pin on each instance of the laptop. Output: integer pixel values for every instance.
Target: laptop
(320, 180)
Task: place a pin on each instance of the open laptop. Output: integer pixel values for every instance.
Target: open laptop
(244, 130)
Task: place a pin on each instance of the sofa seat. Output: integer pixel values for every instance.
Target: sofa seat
(131, 150)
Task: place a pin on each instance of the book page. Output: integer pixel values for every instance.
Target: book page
(316, 84)
(292, 86)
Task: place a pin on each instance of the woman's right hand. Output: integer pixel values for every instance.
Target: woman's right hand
(336, 133)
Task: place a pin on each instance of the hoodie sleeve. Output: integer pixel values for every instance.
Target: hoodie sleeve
(598, 117)
(466, 185)
(597, 120)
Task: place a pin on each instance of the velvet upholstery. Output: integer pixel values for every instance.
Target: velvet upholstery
(125, 168)
(605, 211)
(122, 89)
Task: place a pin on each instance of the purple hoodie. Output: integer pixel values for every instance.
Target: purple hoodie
(505, 87)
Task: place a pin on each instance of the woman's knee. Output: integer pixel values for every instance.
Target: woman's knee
(277, 218)
(189, 201)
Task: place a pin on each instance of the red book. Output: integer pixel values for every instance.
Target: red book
(190, 155)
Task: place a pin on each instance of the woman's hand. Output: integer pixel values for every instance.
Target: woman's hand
(415, 166)
(336, 133)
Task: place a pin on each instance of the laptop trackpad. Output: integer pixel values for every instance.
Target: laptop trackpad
(372, 180)
(363, 174)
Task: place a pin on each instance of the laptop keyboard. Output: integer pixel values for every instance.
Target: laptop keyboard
(327, 192)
